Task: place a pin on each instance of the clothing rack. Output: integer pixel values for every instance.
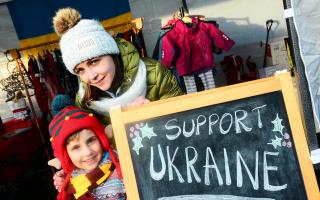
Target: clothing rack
(15, 53)
(20, 65)
(16, 56)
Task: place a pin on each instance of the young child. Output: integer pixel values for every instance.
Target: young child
(91, 167)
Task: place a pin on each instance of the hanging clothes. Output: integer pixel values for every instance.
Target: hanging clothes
(206, 78)
(135, 36)
(190, 48)
(40, 94)
(190, 84)
(157, 55)
(69, 82)
(138, 41)
(50, 86)
(52, 70)
(39, 76)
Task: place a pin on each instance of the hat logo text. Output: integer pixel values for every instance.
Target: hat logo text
(86, 43)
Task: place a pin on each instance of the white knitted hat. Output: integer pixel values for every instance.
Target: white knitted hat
(81, 39)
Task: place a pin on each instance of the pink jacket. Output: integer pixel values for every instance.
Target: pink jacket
(190, 49)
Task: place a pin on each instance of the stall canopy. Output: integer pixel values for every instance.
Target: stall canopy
(32, 19)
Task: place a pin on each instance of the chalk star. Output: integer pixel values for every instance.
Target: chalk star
(275, 142)
(277, 124)
(147, 132)
(137, 144)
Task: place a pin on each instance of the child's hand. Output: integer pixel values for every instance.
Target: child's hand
(139, 101)
(58, 179)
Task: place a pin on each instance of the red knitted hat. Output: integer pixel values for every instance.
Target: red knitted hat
(67, 122)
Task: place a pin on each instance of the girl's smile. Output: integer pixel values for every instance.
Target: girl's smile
(84, 150)
(98, 72)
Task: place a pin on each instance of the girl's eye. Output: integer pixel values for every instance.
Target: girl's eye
(75, 147)
(94, 61)
(78, 70)
(92, 139)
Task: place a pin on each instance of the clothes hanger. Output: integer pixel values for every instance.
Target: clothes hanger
(187, 20)
(179, 14)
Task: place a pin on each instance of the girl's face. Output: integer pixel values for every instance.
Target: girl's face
(85, 150)
(98, 72)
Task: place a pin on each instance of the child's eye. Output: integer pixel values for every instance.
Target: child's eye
(74, 148)
(92, 139)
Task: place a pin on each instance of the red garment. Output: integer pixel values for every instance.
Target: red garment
(190, 48)
(50, 86)
(53, 71)
(39, 92)
(20, 143)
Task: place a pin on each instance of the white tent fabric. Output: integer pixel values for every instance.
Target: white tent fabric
(306, 17)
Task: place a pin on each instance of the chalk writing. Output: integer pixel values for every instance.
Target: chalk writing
(236, 150)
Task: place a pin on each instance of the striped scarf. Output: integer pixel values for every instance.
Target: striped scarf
(84, 183)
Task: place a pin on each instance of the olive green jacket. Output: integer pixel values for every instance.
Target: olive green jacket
(161, 84)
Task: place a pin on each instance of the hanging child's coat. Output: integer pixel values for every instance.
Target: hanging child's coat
(190, 49)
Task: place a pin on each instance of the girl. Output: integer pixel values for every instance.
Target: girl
(91, 167)
(110, 70)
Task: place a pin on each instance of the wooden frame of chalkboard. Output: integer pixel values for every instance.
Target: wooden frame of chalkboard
(243, 141)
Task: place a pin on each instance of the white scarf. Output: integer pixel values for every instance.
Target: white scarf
(138, 88)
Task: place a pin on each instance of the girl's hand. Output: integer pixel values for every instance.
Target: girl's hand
(139, 101)
(58, 179)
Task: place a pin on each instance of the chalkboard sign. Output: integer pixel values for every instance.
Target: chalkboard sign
(238, 142)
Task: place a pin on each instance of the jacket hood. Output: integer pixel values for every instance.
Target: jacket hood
(130, 59)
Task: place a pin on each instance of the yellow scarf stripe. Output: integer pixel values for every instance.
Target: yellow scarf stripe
(106, 171)
(78, 195)
(81, 183)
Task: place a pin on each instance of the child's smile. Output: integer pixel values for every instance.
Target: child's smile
(85, 150)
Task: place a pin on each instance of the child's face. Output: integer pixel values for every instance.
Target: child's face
(85, 150)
